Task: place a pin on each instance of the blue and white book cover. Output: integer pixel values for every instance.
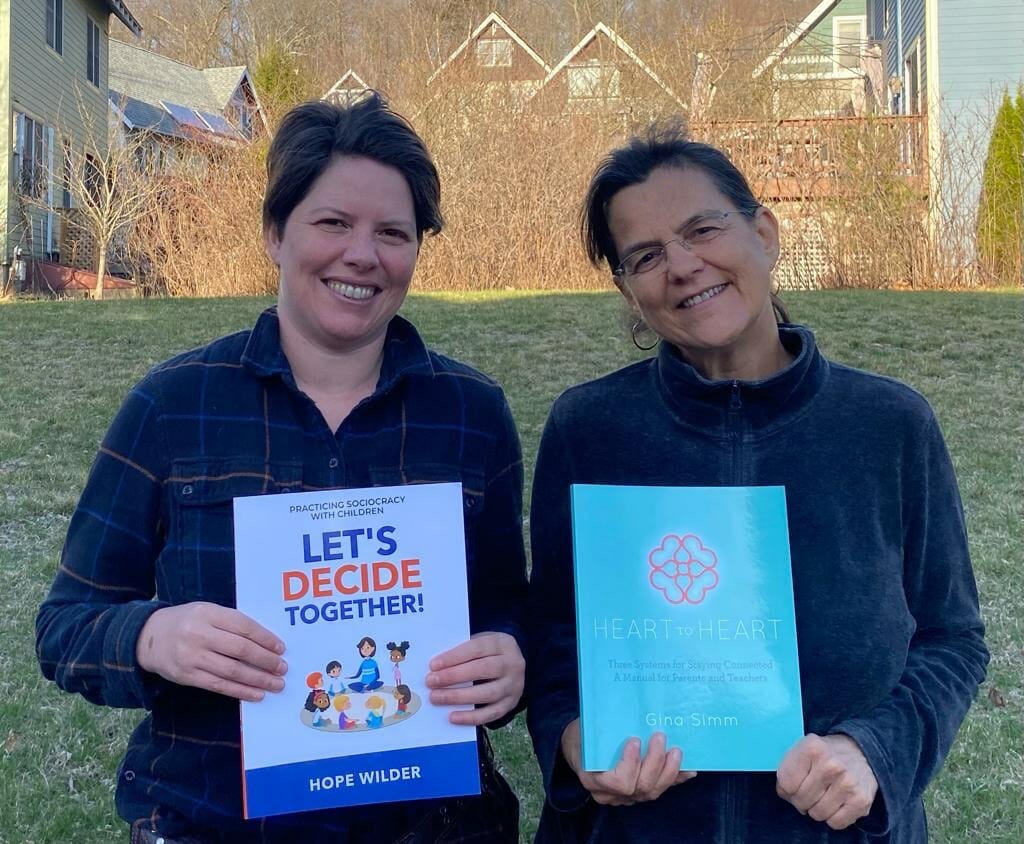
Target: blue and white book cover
(685, 624)
(364, 586)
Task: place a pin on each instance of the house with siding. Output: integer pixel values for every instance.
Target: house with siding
(176, 111)
(950, 60)
(603, 75)
(825, 66)
(54, 90)
(494, 63)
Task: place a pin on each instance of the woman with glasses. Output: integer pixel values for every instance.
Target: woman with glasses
(890, 638)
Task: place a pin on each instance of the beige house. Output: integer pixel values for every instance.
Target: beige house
(54, 90)
(494, 64)
(603, 75)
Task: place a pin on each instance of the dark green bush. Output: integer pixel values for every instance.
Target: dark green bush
(1001, 213)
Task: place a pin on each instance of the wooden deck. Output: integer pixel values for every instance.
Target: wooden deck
(828, 157)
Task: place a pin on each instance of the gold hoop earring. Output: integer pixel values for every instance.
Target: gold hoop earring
(639, 327)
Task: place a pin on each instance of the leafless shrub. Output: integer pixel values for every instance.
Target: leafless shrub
(201, 236)
(852, 193)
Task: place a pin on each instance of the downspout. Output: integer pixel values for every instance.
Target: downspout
(899, 53)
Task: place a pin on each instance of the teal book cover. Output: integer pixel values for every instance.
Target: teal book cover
(685, 624)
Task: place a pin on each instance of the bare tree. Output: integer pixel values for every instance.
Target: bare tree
(110, 184)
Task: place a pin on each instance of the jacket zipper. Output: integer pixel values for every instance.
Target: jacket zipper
(735, 406)
(734, 815)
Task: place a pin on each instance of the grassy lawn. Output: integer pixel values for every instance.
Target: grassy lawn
(66, 367)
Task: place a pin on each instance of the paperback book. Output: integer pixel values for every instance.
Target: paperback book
(685, 624)
(364, 586)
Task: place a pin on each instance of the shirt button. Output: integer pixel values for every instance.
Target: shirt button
(186, 490)
(333, 463)
(129, 776)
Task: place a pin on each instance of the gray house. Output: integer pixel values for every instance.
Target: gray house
(950, 60)
(180, 110)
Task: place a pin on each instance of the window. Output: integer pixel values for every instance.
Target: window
(912, 80)
(593, 80)
(242, 111)
(92, 52)
(67, 174)
(31, 157)
(848, 36)
(55, 25)
(494, 52)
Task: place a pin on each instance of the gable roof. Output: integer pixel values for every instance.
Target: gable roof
(797, 34)
(608, 32)
(350, 81)
(492, 18)
(150, 77)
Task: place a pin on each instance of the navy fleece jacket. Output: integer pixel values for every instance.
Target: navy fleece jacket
(890, 638)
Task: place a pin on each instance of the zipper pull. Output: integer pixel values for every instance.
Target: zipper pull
(734, 399)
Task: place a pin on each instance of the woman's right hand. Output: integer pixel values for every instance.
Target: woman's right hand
(214, 648)
(633, 779)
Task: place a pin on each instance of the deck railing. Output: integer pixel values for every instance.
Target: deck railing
(827, 156)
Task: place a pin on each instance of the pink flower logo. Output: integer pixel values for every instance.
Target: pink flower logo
(682, 569)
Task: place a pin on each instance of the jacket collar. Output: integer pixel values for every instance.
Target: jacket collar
(405, 353)
(722, 407)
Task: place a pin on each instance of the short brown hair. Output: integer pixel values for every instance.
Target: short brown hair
(313, 133)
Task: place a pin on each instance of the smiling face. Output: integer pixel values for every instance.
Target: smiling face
(713, 304)
(346, 256)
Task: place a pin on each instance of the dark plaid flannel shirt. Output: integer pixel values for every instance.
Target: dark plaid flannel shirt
(154, 527)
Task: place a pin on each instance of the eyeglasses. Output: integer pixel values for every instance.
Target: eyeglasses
(697, 233)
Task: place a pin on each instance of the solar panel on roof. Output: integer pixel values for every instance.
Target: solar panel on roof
(218, 124)
(184, 116)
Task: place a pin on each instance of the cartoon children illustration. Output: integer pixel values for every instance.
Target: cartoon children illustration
(397, 653)
(375, 708)
(334, 685)
(368, 673)
(403, 694)
(342, 703)
(317, 700)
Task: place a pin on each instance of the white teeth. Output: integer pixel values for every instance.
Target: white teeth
(351, 291)
(703, 297)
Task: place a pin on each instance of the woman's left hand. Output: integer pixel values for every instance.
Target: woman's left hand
(495, 666)
(828, 778)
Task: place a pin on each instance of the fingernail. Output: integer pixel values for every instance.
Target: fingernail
(434, 664)
(282, 667)
(277, 685)
(279, 647)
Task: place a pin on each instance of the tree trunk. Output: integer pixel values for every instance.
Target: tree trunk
(101, 271)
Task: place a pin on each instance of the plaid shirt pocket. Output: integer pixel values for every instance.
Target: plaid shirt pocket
(201, 538)
(471, 478)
